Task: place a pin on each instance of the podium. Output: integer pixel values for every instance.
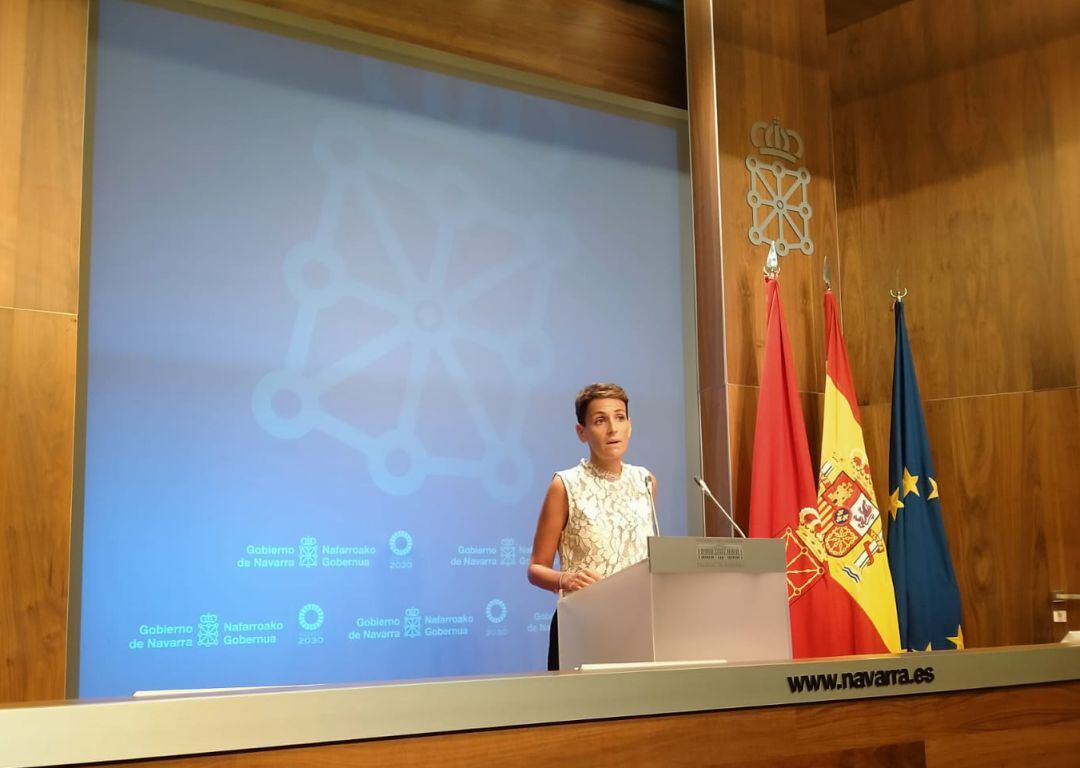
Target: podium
(693, 599)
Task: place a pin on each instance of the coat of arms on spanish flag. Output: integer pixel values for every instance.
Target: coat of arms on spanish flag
(846, 531)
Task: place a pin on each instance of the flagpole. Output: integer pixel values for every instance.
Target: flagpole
(900, 292)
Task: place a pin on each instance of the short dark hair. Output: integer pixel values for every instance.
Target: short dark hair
(598, 391)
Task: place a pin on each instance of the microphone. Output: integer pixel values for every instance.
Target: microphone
(705, 488)
(652, 503)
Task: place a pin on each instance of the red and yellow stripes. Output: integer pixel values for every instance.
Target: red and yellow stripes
(848, 525)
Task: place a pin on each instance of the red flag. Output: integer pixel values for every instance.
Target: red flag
(783, 492)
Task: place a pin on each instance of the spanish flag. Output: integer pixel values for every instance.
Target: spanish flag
(846, 531)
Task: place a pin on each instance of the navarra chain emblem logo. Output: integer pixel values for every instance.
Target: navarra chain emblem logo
(507, 552)
(496, 611)
(779, 196)
(400, 543)
(428, 315)
(311, 617)
(309, 552)
(412, 622)
(208, 630)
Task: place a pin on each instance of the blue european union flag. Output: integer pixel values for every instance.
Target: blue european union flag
(927, 598)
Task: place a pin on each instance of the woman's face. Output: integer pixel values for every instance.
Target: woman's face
(606, 429)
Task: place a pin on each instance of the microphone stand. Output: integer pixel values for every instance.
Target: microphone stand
(701, 484)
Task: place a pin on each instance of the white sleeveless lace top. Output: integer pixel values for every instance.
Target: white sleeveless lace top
(610, 519)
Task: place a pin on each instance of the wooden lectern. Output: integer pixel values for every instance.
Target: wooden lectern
(693, 599)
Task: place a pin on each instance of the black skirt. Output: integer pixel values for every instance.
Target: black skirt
(553, 644)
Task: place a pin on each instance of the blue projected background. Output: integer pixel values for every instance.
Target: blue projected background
(339, 309)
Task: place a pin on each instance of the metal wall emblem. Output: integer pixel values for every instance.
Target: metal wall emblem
(778, 196)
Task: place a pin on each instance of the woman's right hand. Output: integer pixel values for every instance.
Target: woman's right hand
(572, 581)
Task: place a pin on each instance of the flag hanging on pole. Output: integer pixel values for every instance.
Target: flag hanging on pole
(782, 492)
(848, 524)
(927, 596)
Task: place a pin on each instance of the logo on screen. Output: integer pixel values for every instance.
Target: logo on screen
(400, 543)
(311, 617)
(208, 630)
(496, 611)
(412, 622)
(507, 552)
(309, 552)
(429, 318)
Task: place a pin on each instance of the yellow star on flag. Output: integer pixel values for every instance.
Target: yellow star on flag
(910, 483)
(958, 640)
(894, 503)
(933, 488)
(929, 646)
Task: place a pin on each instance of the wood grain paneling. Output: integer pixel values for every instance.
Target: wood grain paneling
(708, 264)
(37, 400)
(1053, 429)
(1006, 475)
(716, 457)
(957, 140)
(940, 730)
(1012, 510)
(750, 62)
(958, 147)
(771, 61)
(909, 755)
(844, 13)
(1048, 747)
(42, 98)
(631, 49)
(999, 549)
(42, 74)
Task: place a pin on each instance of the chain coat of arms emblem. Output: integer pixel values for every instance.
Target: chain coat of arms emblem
(779, 196)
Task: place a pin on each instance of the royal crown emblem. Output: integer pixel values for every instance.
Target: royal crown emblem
(779, 196)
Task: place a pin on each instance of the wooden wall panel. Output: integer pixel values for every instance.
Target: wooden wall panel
(708, 271)
(42, 73)
(1049, 747)
(844, 13)
(37, 400)
(771, 61)
(756, 61)
(631, 49)
(941, 730)
(1054, 483)
(988, 463)
(958, 159)
(957, 141)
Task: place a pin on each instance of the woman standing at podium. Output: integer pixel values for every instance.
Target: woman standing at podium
(597, 515)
